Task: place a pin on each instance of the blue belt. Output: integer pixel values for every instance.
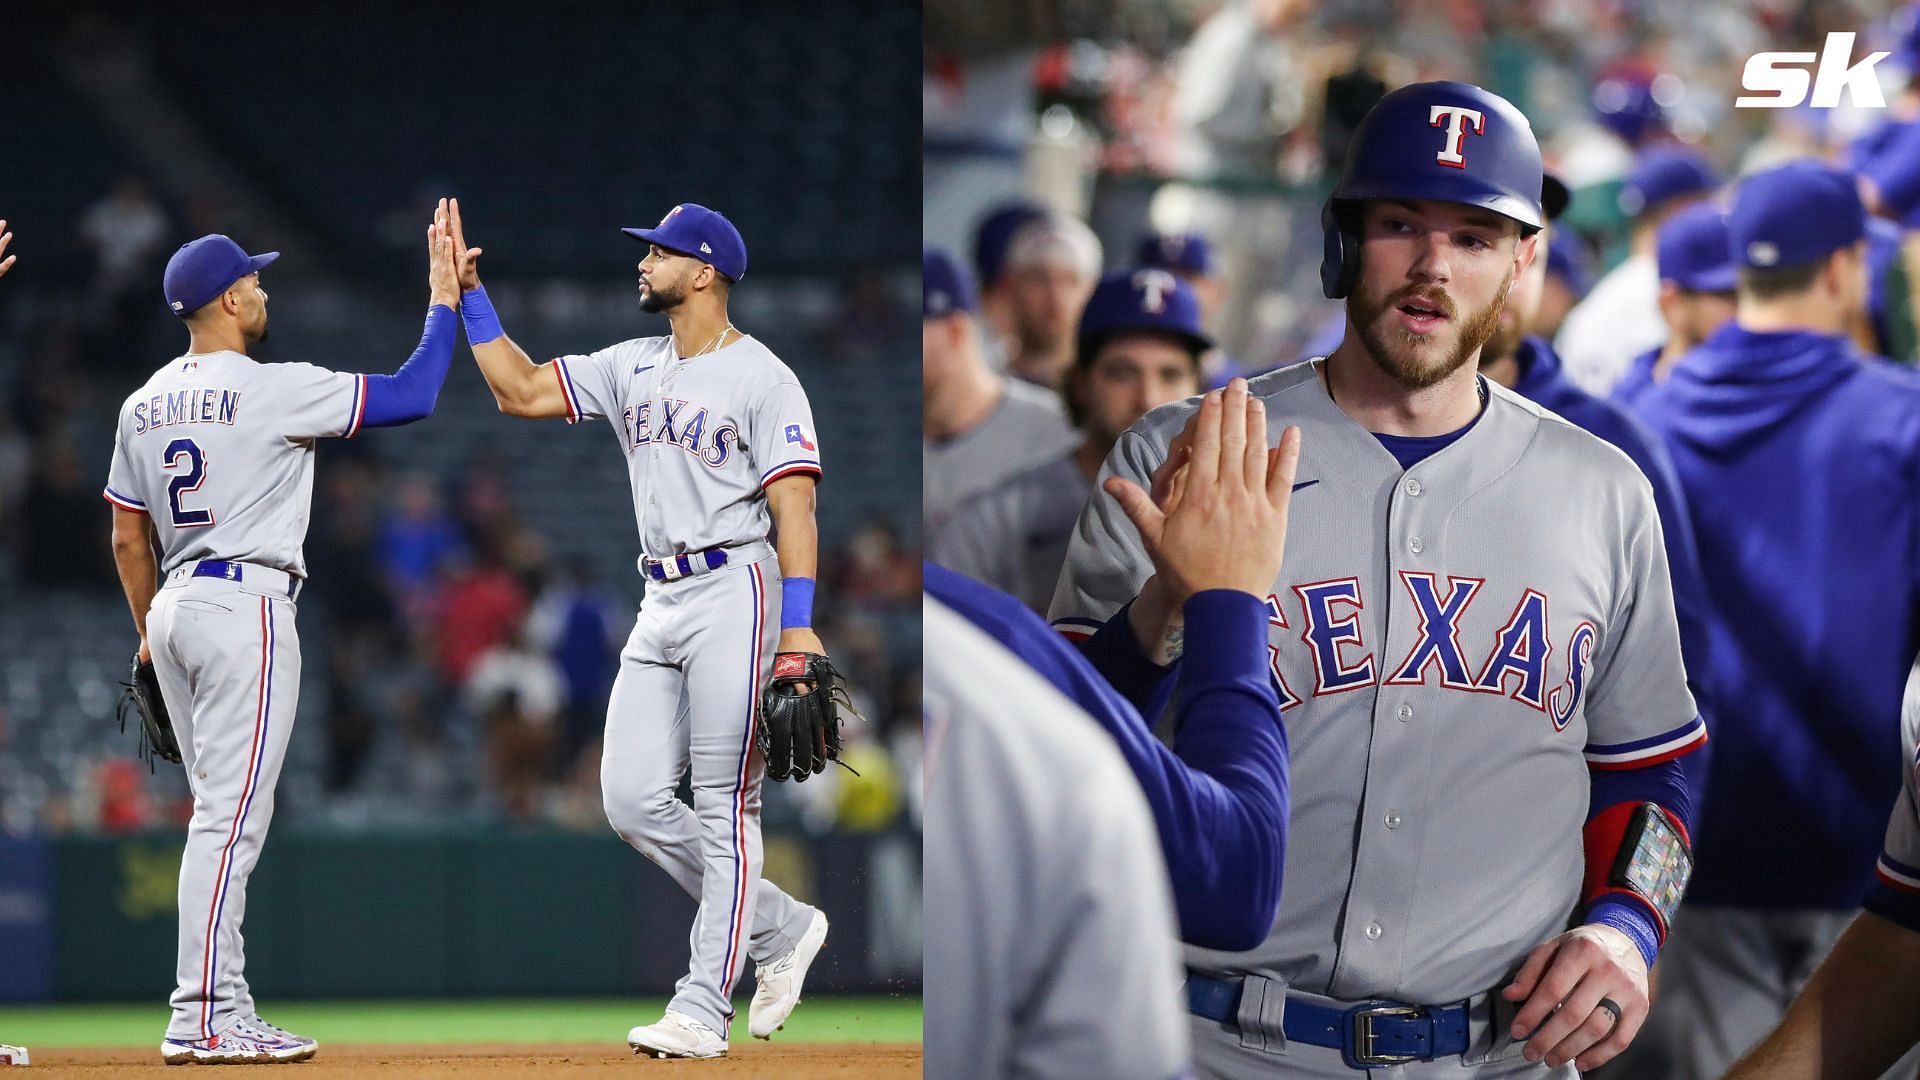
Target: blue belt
(1367, 1033)
(234, 571)
(685, 565)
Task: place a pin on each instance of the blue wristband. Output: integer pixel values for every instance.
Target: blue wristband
(796, 603)
(1632, 918)
(477, 312)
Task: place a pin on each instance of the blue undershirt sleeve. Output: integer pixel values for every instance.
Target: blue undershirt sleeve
(409, 394)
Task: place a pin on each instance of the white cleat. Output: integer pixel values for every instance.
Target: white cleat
(677, 1035)
(245, 1043)
(312, 1047)
(777, 982)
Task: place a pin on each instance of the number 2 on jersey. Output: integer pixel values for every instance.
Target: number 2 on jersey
(187, 481)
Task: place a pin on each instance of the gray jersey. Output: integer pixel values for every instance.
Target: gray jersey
(1456, 645)
(1899, 867)
(218, 449)
(1050, 930)
(1014, 536)
(1027, 427)
(703, 435)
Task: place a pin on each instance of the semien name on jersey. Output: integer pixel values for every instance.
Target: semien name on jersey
(198, 405)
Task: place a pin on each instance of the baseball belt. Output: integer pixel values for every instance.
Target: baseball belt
(695, 563)
(1367, 1033)
(258, 577)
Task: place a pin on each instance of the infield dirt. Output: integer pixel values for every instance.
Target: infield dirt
(797, 1062)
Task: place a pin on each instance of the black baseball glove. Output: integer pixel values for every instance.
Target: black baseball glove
(156, 727)
(800, 728)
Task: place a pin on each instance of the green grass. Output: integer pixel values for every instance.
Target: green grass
(825, 1019)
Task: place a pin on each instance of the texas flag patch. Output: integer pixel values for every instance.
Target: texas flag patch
(798, 438)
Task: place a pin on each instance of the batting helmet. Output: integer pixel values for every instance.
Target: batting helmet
(1437, 140)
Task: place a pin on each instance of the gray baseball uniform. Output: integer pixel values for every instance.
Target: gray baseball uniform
(1014, 535)
(1050, 930)
(1028, 426)
(1456, 645)
(218, 450)
(703, 437)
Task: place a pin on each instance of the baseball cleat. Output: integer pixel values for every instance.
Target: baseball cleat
(677, 1035)
(777, 982)
(312, 1046)
(245, 1043)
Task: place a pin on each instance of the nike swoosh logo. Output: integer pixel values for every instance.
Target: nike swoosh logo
(638, 370)
(1304, 484)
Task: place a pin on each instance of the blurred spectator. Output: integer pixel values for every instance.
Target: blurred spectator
(418, 536)
(126, 231)
(1052, 264)
(581, 627)
(1620, 318)
(480, 606)
(519, 691)
(62, 522)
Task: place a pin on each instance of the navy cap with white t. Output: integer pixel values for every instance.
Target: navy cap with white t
(707, 235)
(1795, 214)
(1694, 250)
(1144, 300)
(203, 269)
(945, 286)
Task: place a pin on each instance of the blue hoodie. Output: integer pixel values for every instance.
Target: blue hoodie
(1801, 462)
(1544, 382)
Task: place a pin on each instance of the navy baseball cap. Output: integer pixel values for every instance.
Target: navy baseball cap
(945, 286)
(203, 269)
(707, 235)
(1182, 253)
(995, 237)
(1567, 259)
(1143, 300)
(1663, 174)
(1795, 214)
(1695, 250)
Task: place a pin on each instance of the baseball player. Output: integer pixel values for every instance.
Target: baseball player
(1798, 455)
(990, 243)
(1053, 263)
(1569, 276)
(1520, 360)
(1032, 879)
(1139, 347)
(723, 458)
(980, 428)
(1475, 642)
(1694, 257)
(1620, 317)
(213, 458)
(1857, 1015)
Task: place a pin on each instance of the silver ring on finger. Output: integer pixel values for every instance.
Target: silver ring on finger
(1613, 1010)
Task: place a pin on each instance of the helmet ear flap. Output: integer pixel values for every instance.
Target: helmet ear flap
(1340, 255)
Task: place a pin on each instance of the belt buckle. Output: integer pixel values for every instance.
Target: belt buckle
(1360, 1052)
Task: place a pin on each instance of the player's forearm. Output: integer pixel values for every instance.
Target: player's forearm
(510, 373)
(790, 502)
(410, 393)
(139, 570)
(1855, 1017)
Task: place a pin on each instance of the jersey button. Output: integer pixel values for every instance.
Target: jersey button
(1413, 486)
(1404, 712)
(1414, 545)
(1373, 931)
(1393, 819)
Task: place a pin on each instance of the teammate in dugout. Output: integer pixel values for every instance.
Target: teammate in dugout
(1475, 644)
(721, 452)
(213, 458)
(1138, 348)
(1694, 258)
(1857, 1017)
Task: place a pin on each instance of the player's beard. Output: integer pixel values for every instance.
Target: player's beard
(1396, 351)
(654, 299)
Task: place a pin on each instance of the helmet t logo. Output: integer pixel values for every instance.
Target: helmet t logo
(1457, 118)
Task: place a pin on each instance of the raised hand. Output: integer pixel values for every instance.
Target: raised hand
(1222, 523)
(5, 238)
(466, 259)
(442, 281)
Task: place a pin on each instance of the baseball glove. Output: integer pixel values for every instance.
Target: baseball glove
(156, 727)
(800, 728)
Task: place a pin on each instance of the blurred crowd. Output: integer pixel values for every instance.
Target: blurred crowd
(459, 655)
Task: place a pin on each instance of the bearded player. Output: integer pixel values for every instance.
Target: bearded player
(1475, 645)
